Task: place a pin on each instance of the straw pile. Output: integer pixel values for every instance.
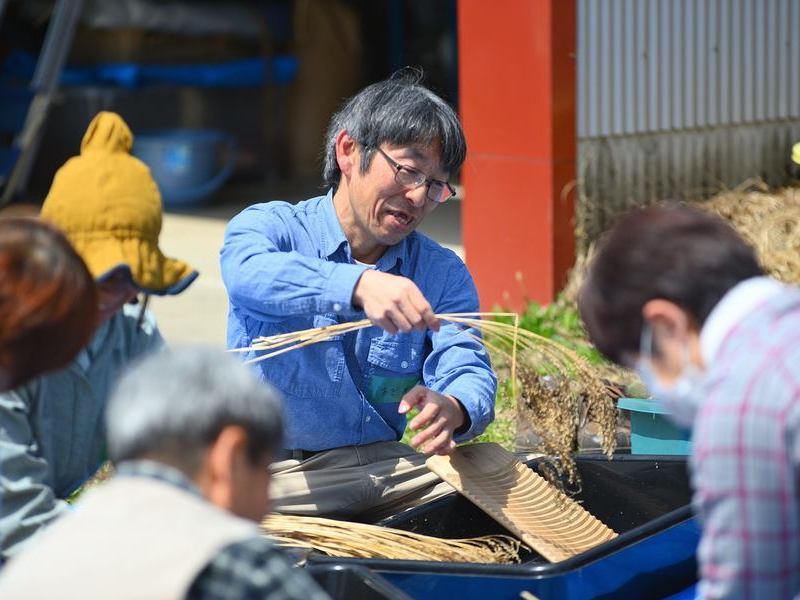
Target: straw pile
(555, 388)
(358, 540)
(769, 221)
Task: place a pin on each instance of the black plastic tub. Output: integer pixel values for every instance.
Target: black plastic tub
(343, 582)
(646, 499)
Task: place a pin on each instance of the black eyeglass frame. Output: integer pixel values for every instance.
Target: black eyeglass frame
(421, 179)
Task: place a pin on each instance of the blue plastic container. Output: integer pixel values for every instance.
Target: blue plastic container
(189, 165)
(651, 430)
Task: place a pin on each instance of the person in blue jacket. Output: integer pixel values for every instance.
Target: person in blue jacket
(355, 251)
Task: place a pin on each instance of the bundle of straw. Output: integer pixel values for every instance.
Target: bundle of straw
(554, 387)
(769, 221)
(358, 540)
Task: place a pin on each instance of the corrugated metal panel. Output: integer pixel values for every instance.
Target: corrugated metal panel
(681, 98)
(617, 173)
(659, 65)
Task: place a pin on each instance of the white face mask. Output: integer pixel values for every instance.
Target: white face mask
(681, 398)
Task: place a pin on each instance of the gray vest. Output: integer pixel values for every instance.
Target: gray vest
(133, 537)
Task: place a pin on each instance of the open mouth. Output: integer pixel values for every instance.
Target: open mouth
(401, 218)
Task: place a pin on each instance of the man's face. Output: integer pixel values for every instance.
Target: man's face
(384, 209)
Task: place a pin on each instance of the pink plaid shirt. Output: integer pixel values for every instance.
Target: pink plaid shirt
(746, 461)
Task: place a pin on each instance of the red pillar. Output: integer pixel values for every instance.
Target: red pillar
(517, 101)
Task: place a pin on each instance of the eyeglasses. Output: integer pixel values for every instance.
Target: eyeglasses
(410, 178)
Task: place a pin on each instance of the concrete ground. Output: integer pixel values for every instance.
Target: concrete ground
(198, 315)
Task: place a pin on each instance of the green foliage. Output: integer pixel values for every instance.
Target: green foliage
(503, 430)
(410, 433)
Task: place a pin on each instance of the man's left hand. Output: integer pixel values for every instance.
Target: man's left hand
(439, 416)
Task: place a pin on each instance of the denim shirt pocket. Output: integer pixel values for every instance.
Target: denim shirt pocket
(394, 368)
(314, 371)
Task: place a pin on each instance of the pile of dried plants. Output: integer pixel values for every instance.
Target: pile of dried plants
(768, 220)
(343, 538)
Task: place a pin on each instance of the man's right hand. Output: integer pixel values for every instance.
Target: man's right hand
(393, 303)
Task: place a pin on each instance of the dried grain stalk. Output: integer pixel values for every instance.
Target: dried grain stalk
(557, 391)
(359, 540)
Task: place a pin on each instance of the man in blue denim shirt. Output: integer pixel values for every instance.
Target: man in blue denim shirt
(350, 253)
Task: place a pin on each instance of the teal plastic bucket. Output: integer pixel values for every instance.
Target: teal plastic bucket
(189, 165)
(652, 432)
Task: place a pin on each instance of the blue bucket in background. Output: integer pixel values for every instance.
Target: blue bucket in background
(652, 432)
(189, 165)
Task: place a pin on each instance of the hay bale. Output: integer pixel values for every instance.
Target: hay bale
(769, 221)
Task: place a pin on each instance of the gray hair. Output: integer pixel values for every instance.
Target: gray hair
(174, 404)
(398, 111)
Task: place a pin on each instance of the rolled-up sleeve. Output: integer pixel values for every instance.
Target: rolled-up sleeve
(458, 364)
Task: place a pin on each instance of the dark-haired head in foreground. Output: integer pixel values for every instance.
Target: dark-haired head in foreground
(668, 266)
(48, 301)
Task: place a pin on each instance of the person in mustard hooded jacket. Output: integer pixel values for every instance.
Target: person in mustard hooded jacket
(51, 429)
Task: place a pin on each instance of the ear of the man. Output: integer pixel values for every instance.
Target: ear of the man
(346, 152)
(667, 318)
(223, 459)
(675, 332)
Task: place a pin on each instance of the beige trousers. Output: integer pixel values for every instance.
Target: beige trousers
(367, 483)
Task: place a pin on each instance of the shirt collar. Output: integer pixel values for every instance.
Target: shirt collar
(741, 300)
(332, 233)
(159, 471)
(333, 237)
(83, 361)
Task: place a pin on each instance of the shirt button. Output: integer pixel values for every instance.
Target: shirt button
(404, 364)
(368, 419)
(337, 307)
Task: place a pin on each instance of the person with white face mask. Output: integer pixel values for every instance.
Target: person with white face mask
(676, 294)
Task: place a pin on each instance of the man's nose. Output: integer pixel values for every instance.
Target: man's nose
(418, 196)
